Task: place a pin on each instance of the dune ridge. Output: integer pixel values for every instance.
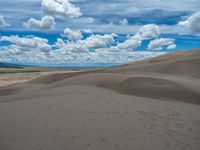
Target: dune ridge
(174, 76)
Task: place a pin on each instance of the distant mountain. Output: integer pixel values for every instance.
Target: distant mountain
(9, 65)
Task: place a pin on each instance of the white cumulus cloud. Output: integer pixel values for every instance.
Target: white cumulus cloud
(72, 35)
(60, 8)
(84, 46)
(172, 46)
(28, 43)
(148, 32)
(99, 41)
(46, 23)
(95, 48)
(131, 43)
(159, 44)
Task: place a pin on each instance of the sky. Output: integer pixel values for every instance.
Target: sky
(95, 32)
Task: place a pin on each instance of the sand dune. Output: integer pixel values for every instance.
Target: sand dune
(150, 104)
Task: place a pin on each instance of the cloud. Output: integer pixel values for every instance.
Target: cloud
(131, 43)
(172, 46)
(95, 48)
(13, 53)
(59, 43)
(192, 23)
(3, 22)
(28, 43)
(106, 42)
(60, 8)
(123, 22)
(92, 42)
(72, 35)
(159, 44)
(148, 32)
(137, 12)
(46, 23)
(99, 41)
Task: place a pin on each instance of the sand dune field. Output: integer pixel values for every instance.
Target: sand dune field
(146, 105)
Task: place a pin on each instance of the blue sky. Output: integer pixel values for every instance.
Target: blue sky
(93, 32)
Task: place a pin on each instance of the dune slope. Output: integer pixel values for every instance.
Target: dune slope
(174, 76)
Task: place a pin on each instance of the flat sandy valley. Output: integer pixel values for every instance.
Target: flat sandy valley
(9, 76)
(147, 105)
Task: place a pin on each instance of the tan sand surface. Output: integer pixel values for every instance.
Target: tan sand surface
(148, 105)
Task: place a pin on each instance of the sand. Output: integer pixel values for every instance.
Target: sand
(151, 104)
(9, 79)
